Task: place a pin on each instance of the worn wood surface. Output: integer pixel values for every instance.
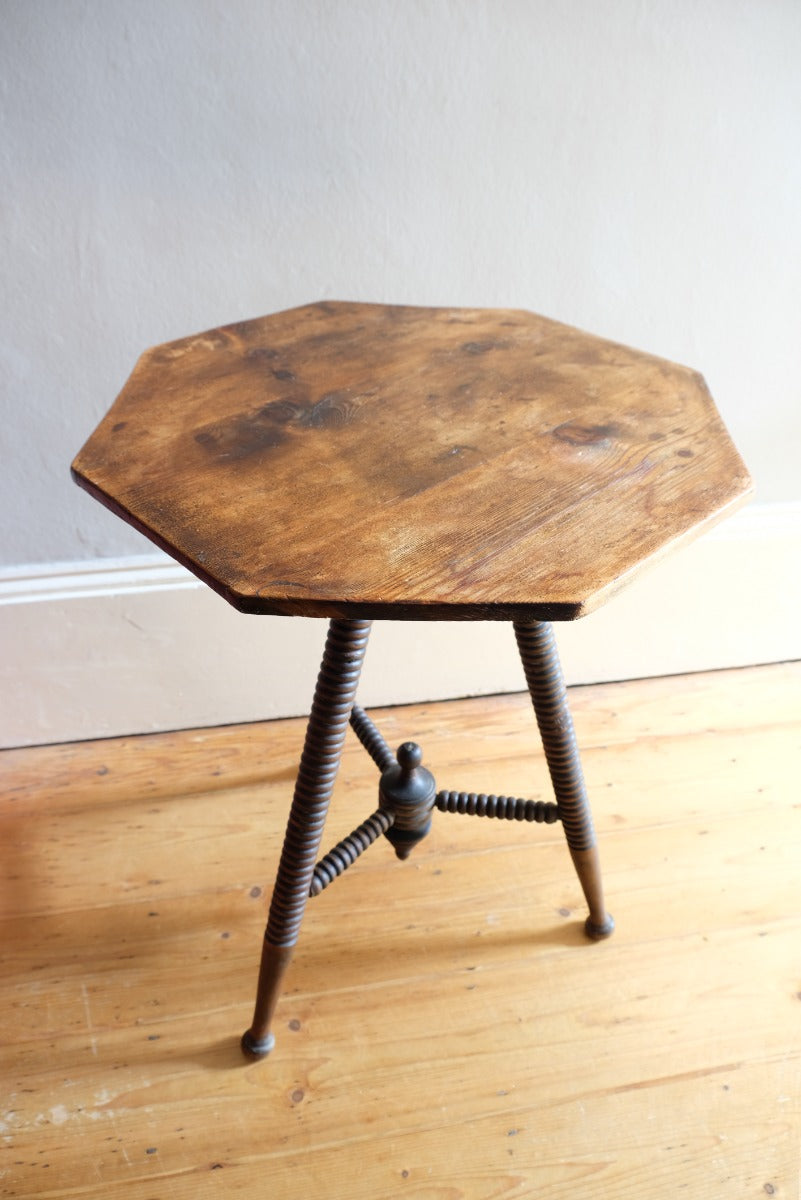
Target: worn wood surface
(367, 460)
(447, 1031)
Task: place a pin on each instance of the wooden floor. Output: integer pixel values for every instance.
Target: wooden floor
(447, 1031)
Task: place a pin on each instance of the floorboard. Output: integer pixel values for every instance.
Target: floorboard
(446, 1031)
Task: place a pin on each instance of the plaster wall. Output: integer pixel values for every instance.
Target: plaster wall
(630, 167)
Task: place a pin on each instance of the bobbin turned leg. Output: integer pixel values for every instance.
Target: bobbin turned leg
(325, 734)
(537, 645)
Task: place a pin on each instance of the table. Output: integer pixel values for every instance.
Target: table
(365, 461)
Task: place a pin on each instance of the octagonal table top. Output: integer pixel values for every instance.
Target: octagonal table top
(364, 460)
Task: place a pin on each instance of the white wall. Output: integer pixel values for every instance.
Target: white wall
(631, 167)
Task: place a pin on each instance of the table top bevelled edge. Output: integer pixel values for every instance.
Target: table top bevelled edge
(449, 601)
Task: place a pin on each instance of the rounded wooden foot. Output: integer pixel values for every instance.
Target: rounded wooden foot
(599, 931)
(256, 1047)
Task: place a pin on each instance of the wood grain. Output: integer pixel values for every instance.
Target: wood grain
(447, 1031)
(366, 460)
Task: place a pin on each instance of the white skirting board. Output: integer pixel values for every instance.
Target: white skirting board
(136, 645)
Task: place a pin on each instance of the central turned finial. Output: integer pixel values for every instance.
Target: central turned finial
(407, 791)
(409, 757)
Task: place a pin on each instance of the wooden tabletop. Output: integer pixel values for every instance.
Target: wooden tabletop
(365, 460)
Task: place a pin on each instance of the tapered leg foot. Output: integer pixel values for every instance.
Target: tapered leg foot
(258, 1041)
(600, 923)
